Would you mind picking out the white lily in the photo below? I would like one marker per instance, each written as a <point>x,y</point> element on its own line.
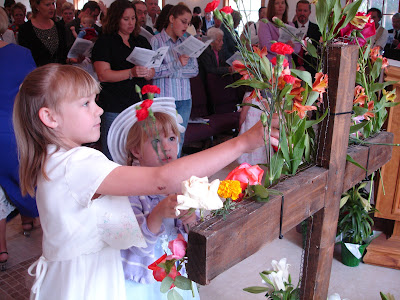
<point>282,266</point>
<point>277,279</point>
<point>335,296</point>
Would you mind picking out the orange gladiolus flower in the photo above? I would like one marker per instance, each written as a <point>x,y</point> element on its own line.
<point>255,94</point>
<point>369,113</point>
<point>320,84</point>
<point>260,53</point>
<point>239,67</point>
<point>301,109</point>
<point>374,54</point>
<point>359,95</point>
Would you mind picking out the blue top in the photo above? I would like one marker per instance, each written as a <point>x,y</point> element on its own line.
<point>16,62</point>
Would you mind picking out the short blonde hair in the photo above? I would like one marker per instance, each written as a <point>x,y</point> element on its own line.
<point>141,131</point>
<point>46,86</point>
<point>67,6</point>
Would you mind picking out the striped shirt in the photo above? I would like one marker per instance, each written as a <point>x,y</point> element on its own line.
<point>171,77</point>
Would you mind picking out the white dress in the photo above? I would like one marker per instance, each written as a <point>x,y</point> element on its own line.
<point>259,155</point>
<point>81,238</point>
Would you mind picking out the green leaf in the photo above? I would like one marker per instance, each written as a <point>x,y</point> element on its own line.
<point>351,160</point>
<point>376,69</point>
<point>343,200</point>
<point>284,147</point>
<point>260,193</point>
<point>298,151</point>
<point>174,295</point>
<point>166,284</point>
<point>266,279</point>
<point>266,66</point>
<point>310,123</point>
<point>183,283</point>
<point>311,49</point>
<point>313,96</point>
<point>375,87</point>
<point>304,75</point>
<point>357,127</point>
<point>256,289</point>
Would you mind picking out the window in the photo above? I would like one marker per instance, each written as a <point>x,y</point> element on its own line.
<point>387,7</point>
<point>250,6</point>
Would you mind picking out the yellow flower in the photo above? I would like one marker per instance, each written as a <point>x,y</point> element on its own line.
<point>229,189</point>
<point>390,96</point>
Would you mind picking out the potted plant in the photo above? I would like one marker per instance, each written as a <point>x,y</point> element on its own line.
<point>355,224</point>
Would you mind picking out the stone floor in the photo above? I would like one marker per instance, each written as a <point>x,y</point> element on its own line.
<point>361,283</point>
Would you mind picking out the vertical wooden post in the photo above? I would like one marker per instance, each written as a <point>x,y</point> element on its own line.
<point>331,154</point>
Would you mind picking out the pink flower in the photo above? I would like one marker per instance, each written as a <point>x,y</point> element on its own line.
<point>246,174</point>
<point>177,247</point>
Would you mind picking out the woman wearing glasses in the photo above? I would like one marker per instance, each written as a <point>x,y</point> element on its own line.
<point>173,76</point>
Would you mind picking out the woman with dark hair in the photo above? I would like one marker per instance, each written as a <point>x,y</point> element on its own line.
<point>268,32</point>
<point>173,76</point>
<point>118,76</point>
<point>162,18</point>
<point>44,37</point>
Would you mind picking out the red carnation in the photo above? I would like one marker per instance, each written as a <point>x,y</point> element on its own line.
<point>285,62</point>
<point>142,114</point>
<point>281,48</point>
<point>226,9</point>
<point>289,79</point>
<point>146,103</point>
<point>211,6</point>
<point>148,88</point>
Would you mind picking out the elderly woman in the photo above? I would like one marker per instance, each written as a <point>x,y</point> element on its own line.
<point>118,76</point>
<point>18,12</point>
<point>16,62</point>
<point>212,60</point>
<point>67,13</point>
<point>44,37</point>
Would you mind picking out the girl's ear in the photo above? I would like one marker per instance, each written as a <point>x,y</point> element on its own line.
<point>46,115</point>
<point>171,19</point>
<point>136,153</point>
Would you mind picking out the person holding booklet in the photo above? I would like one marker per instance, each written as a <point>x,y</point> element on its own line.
<point>173,76</point>
<point>267,32</point>
<point>118,76</point>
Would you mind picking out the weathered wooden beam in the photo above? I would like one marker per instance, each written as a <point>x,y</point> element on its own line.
<point>371,157</point>
<point>216,244</point>
<point>331,154</point>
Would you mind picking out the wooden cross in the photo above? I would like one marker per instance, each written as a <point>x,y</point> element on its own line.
<point>216,244</point>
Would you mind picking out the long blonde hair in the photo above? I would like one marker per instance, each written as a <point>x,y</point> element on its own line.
<point>141,131</point>
<point>46,86</point>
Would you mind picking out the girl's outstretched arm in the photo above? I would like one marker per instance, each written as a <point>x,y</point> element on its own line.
<point>167,179</point>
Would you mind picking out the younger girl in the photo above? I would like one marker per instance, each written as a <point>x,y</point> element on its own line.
<point>173,76</point>
<point>85,219</point>
<point>156,213</point>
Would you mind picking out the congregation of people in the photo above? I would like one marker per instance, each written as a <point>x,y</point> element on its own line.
<point>71,182</point>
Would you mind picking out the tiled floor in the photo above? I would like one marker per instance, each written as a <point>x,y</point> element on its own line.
<point>361,283</point>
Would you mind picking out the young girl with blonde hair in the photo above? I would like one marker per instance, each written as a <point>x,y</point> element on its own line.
<point>81,195</point>
<point>150,143</point>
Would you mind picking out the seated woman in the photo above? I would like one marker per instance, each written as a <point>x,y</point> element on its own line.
<point>212,60</point>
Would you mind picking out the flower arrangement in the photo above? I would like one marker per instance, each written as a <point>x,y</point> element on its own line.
<point>278,283</point>
<point>237,185</point>
<point>166,269</point>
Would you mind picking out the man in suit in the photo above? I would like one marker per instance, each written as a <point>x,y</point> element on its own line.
<point>310,30</point>
<point>392,48</point>
<point>141,13</point>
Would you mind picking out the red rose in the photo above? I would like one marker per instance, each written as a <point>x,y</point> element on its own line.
<point>246,174</point>
<point>226,9</point>
<point>281,48</point>
<point>146,103</point>
<point>142,114</point>
<point>211,6</point>
<point>148,88</point>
